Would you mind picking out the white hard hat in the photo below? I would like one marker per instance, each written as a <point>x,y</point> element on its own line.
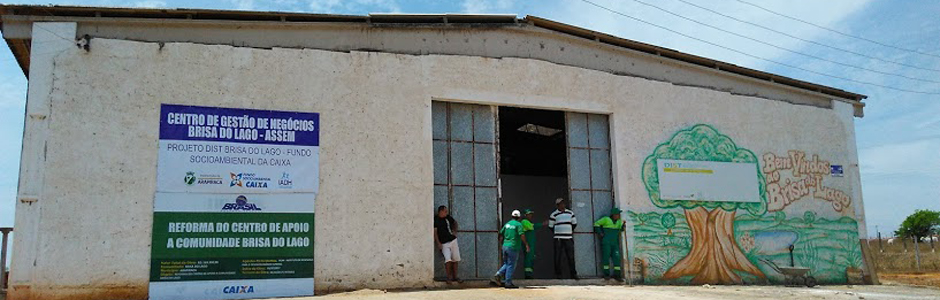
<point>516,213</point>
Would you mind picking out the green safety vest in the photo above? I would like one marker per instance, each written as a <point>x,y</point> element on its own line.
<point>529,229</point>
<point>610,229</point>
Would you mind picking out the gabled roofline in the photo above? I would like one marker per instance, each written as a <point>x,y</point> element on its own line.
<point>20,48</point>
<point>690,58</point>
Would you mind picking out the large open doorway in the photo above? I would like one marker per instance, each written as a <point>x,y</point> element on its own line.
<point>489,161</point>
<point>533,173</point>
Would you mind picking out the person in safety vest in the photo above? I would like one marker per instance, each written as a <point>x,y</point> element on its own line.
<point>609,229</point>
<point>513,240</point>
<point>529,228</point>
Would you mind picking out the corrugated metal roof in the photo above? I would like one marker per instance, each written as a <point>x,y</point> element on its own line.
<point>20,48</point>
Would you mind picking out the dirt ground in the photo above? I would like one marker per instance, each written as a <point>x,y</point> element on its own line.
<point>925,279</point>
<point>886,292</point>
<point>900,257</point>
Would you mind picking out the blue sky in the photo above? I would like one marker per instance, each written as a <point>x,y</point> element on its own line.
<point>898,139</point>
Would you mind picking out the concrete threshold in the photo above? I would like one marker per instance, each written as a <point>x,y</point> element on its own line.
<point>523,283</point>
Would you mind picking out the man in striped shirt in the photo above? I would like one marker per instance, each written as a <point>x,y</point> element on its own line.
<point>562,222</point>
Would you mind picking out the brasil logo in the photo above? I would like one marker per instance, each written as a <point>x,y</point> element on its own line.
<point>241,203</point>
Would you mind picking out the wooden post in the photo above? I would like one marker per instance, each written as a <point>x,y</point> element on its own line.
<point>932,249</point>
<point>3,258</point>
<point>916,253</point>
<point>625,272</point>
<point>881,247</point>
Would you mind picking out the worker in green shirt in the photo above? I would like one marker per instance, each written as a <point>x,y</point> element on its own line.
<point>529,228</point>
<point>609,229</point>
<point>513,240</point>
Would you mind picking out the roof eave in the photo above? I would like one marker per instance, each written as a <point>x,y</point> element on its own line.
<point>20,48</point>
<point>690,58</point>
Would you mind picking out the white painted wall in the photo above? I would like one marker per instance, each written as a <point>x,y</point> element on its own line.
<point>92,236</point>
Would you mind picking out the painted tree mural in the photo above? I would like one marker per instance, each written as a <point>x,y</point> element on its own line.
<point>715,256</point>
<point>809,217</point>
<point>780,217</point>
<point>668,221</point>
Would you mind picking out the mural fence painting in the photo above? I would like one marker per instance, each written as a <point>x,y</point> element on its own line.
<point>699,242</point>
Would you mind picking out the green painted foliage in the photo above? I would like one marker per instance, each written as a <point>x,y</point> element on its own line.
<point>668,220</point>
<point>809,217</point>
<point>780,216</point>
<point>701,143</point>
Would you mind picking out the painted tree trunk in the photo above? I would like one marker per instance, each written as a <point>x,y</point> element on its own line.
<point>715,254</point>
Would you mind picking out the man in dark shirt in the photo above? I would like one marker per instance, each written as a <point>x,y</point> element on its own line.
<point>445,237</point>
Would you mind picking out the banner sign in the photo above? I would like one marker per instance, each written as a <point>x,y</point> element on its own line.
<point>234,208</point>
<point>708,181</point>
<point>214,150</point>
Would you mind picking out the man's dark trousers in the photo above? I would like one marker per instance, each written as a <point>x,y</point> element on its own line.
<point>564,248</point>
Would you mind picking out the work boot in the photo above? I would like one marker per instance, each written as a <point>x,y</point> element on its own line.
<point>618,278</point>
<point>606,277</point>
<point>497,280</point>
<point>511,286</point>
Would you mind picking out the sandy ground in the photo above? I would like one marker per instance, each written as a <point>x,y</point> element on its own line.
<point>887,292</point>
<point>925,279</point>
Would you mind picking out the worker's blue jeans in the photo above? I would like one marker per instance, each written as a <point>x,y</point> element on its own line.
<point>510,256</point>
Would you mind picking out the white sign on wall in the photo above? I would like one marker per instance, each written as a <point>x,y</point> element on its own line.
<point>230,167</point>
<point>233,215</point>
<point>708,181</point>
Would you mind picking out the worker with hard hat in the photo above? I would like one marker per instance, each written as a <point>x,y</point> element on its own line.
<point>609,229</point>
<point>513,240</point>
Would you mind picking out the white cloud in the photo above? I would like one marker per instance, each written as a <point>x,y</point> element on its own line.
<point>149,3</point>
<point>14,93</point>
<point>243,4</point>
<point>354,6</point>
<point>318,6</point>
<point>8,195</point>
<point>827,13</point>
<point>13,84</point>
<point>898,179</point>
<point>918,158</point>
<point>484,6</point>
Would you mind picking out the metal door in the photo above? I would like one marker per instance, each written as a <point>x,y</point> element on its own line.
<point>589,182</point>
<point>466,179</point>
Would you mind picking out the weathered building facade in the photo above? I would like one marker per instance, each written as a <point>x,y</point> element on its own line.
<point>419,111</point>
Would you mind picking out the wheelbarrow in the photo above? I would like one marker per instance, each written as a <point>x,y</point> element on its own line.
<point>796,276</point>
<point>793,275</point>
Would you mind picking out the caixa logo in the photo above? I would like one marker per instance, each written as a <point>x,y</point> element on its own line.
<point>241,203</point>
<point>248,180</point>
<point>238,289</point>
